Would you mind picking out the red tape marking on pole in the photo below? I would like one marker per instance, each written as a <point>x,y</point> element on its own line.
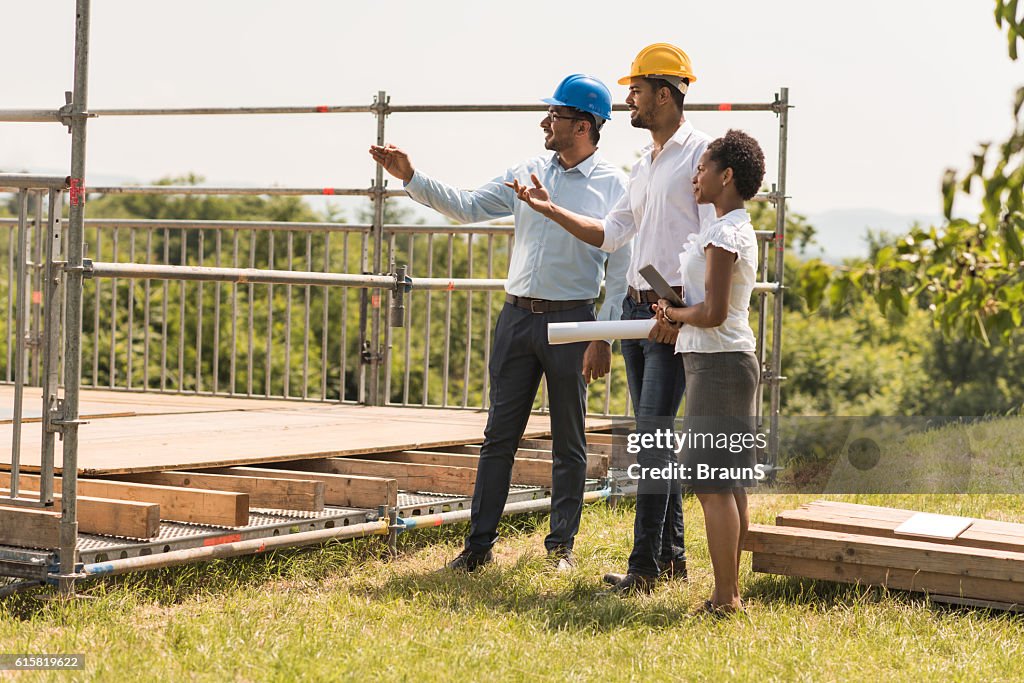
<point>451,286</point>
<point>37,297</point>
<point>77,191</point>
<point>328,190</point>
<point>322,109</point>
<point>725,107</point>
<point>230,538</point>
<point>375,300</point>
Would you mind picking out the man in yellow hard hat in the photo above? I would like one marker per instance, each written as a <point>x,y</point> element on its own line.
<point>551,278</point>
<point>660,210</point>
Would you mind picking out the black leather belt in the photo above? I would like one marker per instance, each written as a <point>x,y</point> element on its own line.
<point>648,296</point>
<point>544,305</point>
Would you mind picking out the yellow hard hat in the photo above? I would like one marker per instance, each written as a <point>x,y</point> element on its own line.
<point>660,59</point>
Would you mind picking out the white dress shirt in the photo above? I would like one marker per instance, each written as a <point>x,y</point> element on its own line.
<point>734,233</point>
<point>659,207</point>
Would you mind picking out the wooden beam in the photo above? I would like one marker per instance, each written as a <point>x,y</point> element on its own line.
<point>597,465</point>
<point>410,476</point>
<point>918,556</point>
<point>218,508</point>
<point>343,491</point>
<point>525,471</point>
<point>264,492</point>
<point>107,516</point>
<point>28,528</point>
<point>547,445</point>
<point>827,519</point>
<point>902,579</point>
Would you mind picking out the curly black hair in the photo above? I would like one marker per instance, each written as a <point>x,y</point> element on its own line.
<point>741,153</point>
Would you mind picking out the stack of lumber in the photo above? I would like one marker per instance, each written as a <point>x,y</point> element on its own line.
<point>132,504</point>
<point>860,544</point>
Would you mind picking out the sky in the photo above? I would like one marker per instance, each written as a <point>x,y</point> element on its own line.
<point>887,94</point>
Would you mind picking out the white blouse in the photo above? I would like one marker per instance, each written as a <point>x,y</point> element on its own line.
<point>735,233</point>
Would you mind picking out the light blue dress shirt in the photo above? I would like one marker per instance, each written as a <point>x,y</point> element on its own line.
<point>547,262</point>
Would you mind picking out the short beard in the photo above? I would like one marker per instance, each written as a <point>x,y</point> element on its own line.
<point>642,121</point>
<point>554,145</point>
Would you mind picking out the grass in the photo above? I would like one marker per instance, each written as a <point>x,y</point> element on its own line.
<point>343,612</point>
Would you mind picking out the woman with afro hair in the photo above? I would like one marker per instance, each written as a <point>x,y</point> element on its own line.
<point>718,267</point>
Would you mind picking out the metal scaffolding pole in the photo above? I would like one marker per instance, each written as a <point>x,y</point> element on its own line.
<point>68,420</point>
<point>780,251</point>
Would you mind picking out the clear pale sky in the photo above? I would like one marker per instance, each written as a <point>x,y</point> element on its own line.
<point>888,93</point>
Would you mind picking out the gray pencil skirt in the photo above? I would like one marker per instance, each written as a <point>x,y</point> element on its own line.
<point>720,419</point>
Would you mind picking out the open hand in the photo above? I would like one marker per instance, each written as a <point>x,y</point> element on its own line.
<point>395,161</point>
<point>536,197</point>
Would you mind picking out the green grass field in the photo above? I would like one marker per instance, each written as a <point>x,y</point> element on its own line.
<point>343,612</point>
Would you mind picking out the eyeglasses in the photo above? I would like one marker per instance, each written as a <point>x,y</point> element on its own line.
<point>555,116</point>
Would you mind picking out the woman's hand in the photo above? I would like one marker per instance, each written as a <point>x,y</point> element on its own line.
<point>664,331</point>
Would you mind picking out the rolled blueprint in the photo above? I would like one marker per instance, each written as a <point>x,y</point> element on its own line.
<point>567,333</point>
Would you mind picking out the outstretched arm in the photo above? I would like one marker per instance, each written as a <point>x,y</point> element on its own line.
<point>537,198</point>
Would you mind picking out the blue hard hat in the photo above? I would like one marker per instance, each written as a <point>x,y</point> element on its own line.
<point>584,93</point>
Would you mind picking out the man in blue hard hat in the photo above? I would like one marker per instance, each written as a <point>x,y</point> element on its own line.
<point>552,277</point>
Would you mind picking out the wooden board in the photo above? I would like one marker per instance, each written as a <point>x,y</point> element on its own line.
<point>914,556</point>
<point>828,520</point>
<point>597,465</point>
<point>902,579</point>
<point>107,516</point>
<point>547,445</point>
<point>177,504</point>
<point>28,528</point>
<point>264,432</point>
<point>264,492</point>
<point>525,471</point>
<point>410,476</point>
<point>344,491</point>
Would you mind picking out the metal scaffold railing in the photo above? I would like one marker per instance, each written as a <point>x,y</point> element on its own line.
<point>396,261</point>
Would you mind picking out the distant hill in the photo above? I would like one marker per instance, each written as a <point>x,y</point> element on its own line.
<point>842,233</point>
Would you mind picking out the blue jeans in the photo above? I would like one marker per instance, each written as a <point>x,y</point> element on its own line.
<point>656,386</point>
<point>520,356</point>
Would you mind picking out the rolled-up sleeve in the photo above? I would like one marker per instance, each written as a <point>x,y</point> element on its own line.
<point>492,200</point>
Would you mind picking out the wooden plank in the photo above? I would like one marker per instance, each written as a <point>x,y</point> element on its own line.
<point>28,528</point>
<point>547,445</point>
<point>340,490</point>
<point>410,476</point>
<point>597,465</point>
<point>902,579</point>
<point>219,508</point>
<point>264,492</point>
<point>525,471</point>
<point>605,438</point>
<point>107,516</point>
<point>925,556</point>
<point>989,526</point>
<point>883,528</point>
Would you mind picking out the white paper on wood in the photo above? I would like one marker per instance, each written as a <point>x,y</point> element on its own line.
<point>567,333</point>
<point>928,525</point>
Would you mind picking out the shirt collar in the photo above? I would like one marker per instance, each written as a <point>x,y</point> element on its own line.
<point>679,137</point>
<point>586,167</point>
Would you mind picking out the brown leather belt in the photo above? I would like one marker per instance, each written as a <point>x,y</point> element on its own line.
<point>648,296</point>
<point>544,305</point>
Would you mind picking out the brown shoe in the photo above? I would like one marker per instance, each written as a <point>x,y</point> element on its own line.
<point>561,560</point>
<point>634,584</point>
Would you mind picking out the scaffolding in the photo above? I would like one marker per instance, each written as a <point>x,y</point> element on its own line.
<point>48,336</point>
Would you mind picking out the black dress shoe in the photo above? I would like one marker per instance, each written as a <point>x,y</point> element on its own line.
<point>470,561</point>
<point>673,569</point>
<point>634,584</point>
